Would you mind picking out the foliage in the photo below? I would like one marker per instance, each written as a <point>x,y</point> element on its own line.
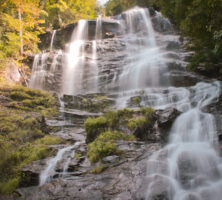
<point>104,131</point>
<point>93,126</point>
<point>62,12</point>
<point>105,145</point>
<point>115,120</point>
<point>21,22</point>
<point>23,132</point>
<point>139,122</point>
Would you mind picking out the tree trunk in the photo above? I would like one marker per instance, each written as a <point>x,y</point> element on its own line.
<point>21,36</point>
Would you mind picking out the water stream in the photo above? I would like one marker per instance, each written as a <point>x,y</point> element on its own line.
<point>145,61</point>
<point>52,40</point>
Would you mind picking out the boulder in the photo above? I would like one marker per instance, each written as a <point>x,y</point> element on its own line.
<point>165,119</point>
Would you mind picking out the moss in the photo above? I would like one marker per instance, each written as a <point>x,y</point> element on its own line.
<point>103,132</point>
<point>49,140</point>
<point>139,122</point>
<point>77,155</point>
<point>147,111</point>
<point>10,185</point>
<point>116,118</point>
<point>23,132</point>
<point>98,169</point>
<point>26,99</point>
<point>105,145</point>
<point>94,126</point>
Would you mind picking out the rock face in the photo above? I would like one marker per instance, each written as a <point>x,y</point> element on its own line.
<point>120,176</point>
<point>96,102</point>
<point>122,179</point>
<point>63,36</point>
<point>165,121</point>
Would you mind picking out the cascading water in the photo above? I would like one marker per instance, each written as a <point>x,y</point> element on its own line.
<point>189,167</point>
<point>99,33</point>
<point>38,71</point>
<point>145,63</point>
<point>50,170</point>
<point>75,59</point>
<point>52,40</point>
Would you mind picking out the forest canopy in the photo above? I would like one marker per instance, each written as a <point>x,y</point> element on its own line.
<point>21,21</point>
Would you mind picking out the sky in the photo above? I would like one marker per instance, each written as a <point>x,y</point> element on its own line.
<point>102,2</point>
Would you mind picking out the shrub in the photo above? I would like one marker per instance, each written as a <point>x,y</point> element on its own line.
<point>94,126</point>
<point>105,145</point>
<point>139,122</point>
<point>147,111</point>
<point>10,185</point>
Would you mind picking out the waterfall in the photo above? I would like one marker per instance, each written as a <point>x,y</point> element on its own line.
<point>99,33</point>
<point>75,59</point>
<point>145,62</point>
<point>192,167</point>
<point>51,165</point>
<point>52,40</point>
<point>55,61</point>
<point>38,71</point>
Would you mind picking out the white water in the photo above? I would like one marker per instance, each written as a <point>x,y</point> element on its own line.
<point>189,167</point>
<point>75,59</point>
<point>38,71</point>
<point>51,165</point>
<point>99,28</point>
<point>52,40</point>
<point>145,62</point>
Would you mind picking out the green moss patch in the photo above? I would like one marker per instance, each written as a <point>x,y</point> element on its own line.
<point>98,169</point>
<point>105,145</point>
<point>23,132</point>
<point>103,132</point>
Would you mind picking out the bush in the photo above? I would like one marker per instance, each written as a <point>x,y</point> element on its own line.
<point>139,122</point>
<point>105,145</point>
<point>94,126</point>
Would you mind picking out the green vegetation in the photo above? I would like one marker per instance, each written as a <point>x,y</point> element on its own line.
<point>23,132</point>
<point>105,145</point>
<point>200,20</point>
<point>94,126</point>
<point>98,169</point>
<point>21,22</point>
<point>26,99</point>
<point>110,121</point>
<point>133,123</point>
<point>103,132</point>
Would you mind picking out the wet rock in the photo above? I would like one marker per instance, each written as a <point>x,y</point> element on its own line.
<point>161,188</point>
<point>31,173</point>
<point>111,159</point>
<point>165,120</point>
<point>135,101</point>
<point>71,134</point>
<point>119,182</point>
<point>63,35</point>
<point>97,102</point>
<point>173,45</point>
